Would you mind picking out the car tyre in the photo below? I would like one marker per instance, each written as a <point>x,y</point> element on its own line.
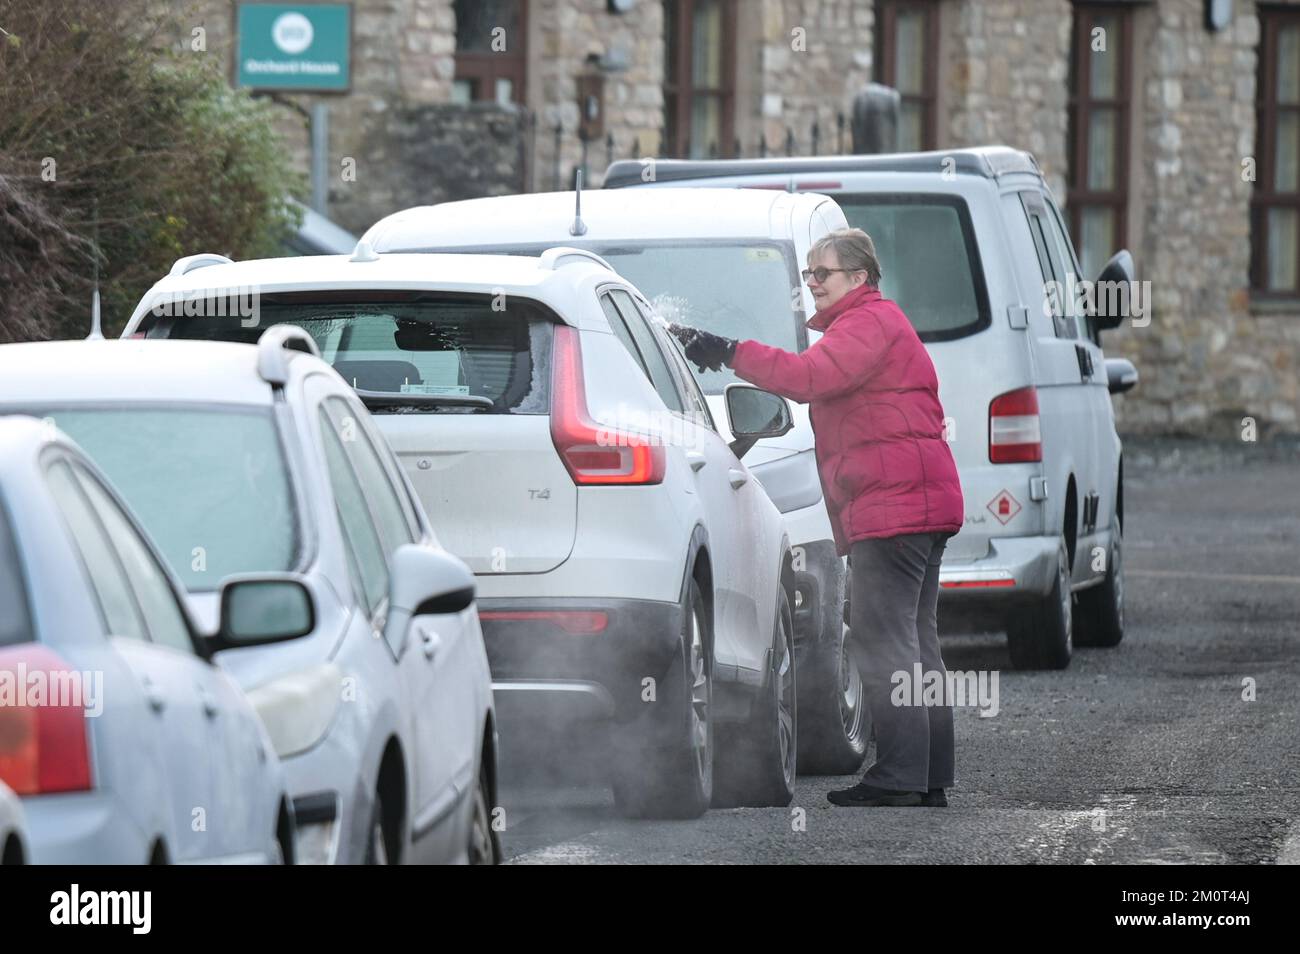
<point>667,766</point>
<point>758,760</point>
<point>1101,608</point>
<point>376,836</point>
<point>834,723</point>
<point>1042,635</point>
<point>484,846</point>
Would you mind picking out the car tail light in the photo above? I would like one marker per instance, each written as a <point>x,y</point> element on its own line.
<point>594,454</point>
<point>1015,434</point>
<point>574,622</point>
<point>976,584</point>
<point>818,185</point>
<point>43,745</point>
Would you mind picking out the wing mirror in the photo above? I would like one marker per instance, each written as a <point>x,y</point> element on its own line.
<point>753,414</point>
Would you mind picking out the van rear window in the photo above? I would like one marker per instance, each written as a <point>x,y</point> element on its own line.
<point>15,617</point>
<point>928,258</point>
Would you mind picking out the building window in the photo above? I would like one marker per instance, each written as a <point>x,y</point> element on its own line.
<point>1100,100</point>
<point>491,51</point>
<point>907,58</point>
<point>1275,205</point>
<point>699,78</point>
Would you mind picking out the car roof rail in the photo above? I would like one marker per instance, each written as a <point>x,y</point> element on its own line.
<point>191,262</point>
<point>277,346</point>
<point>554,258</point>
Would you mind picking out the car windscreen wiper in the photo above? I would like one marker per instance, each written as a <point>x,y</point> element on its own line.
<point>374,400</point>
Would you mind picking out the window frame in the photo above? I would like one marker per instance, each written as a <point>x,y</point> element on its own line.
<point>1264,197</point>
<point>1080,106</point>
<point>886,62</point>
<point>484,69</point>
<point>679,90</point>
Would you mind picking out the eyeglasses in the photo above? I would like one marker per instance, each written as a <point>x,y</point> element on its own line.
<point>821,274</point>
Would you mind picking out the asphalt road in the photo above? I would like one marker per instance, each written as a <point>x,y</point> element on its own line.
<point>1146,753</point>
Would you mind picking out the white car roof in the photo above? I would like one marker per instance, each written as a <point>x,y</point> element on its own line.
<point>530,276</point>
<point>643,214</point>
<point>58,373</point>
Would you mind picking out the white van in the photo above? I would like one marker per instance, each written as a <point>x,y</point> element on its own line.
<point>727,260</point>
<point>974,249</point>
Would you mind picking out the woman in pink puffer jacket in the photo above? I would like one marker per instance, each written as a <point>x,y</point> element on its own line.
<point>891,491</point>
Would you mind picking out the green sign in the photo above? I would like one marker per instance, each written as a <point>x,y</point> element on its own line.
<point>294,46</point>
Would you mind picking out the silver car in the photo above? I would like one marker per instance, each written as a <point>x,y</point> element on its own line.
<point>259,459</point>
<point>124,742</point>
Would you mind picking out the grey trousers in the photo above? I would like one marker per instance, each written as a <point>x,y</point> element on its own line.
<point>892,606</point>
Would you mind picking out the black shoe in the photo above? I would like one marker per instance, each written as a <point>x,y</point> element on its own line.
<point>868,796</point>
<point>934,798</point>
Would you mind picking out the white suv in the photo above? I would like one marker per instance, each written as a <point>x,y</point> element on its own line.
<point>726,260</point>
<point>632,574</point>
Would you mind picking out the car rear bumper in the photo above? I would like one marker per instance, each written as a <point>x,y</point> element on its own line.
<point>1016,569</point>
<point>82,828</point>
<point>567,659</point>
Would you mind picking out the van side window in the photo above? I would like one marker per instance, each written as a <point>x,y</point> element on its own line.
<point>1087,323</point>
<point>1050,264</point>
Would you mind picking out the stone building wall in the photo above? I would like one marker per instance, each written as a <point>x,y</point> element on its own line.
<point>563,34</point>
<point>1003,76</point>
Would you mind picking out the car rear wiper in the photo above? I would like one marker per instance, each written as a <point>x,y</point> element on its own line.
<point>385,399</point>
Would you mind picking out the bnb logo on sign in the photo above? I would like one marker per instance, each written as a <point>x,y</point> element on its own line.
<point>292,33</point>
<point>1004,507</point>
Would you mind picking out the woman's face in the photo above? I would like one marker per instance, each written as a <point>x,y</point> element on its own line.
<point>837,284</point>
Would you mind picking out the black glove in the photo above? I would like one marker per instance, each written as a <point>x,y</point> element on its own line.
<point>704,349</point>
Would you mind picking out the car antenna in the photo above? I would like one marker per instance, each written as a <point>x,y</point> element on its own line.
<point>578,227</point>
<point>96,326</point>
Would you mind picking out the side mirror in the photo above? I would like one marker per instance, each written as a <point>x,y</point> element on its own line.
<point>1112,289</point>
<point>1121,375</point>
<point>256,610</point>
<point>753,414</point>
<point>425,581</point>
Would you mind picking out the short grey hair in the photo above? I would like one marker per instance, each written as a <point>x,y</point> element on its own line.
<point>854,249</point>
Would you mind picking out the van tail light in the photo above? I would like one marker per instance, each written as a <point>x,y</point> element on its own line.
<point>594,454</point>
<point>1015,433</point>
<point>43,733</point>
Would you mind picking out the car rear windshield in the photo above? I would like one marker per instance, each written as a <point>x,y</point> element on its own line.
<point>15,616</point>
<point>736,289</point>
<point>928,257</point>
<point>493,347</point>
<point>210,485</point>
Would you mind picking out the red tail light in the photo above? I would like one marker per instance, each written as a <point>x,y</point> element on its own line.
<point>594,454</point>
<point>1015,434</point>
<point>43,746</point>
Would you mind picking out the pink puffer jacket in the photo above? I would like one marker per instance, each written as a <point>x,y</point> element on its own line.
<point>874,404</point>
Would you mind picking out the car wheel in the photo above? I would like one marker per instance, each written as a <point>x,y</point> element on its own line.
<point>757,761</point>
<point>376,840</point>
<point>667,766</point>
<point>834,723</point>
<point>1101,608</point>
<point>1042,635</point>
<point>484,847</point>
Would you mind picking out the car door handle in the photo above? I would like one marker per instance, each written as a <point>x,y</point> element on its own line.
<point>738,478</point>
<point>153,696</point>
<point>1085,362</point>
<point>431,642</point>
<point>696,460</point>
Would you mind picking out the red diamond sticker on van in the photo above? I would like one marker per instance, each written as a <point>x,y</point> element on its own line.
<point>1004,507</point>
